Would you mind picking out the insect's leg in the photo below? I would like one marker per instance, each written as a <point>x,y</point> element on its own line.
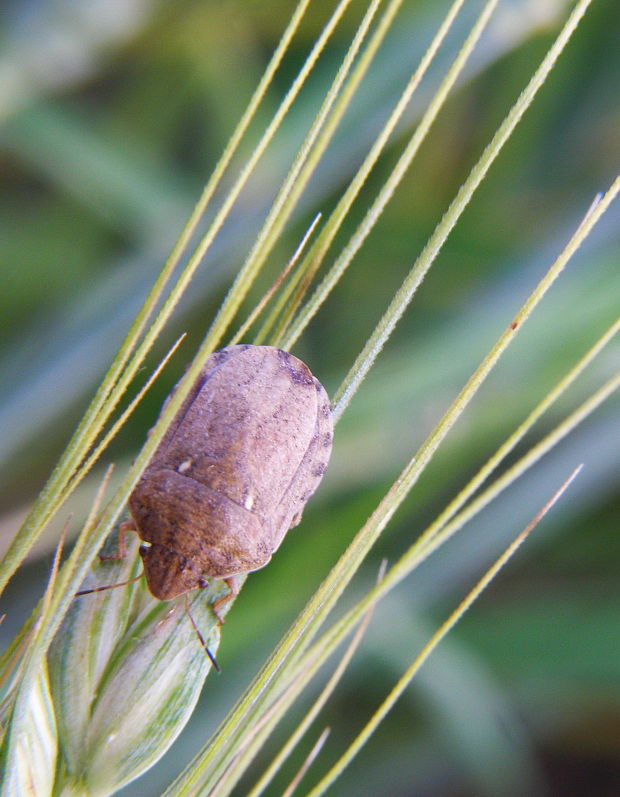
<point>120,554</point>
<point>108,586</point>
<point>234,585</point>
<point>128,525</point>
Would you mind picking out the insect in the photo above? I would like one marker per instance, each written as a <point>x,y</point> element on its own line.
<point>233,472</point>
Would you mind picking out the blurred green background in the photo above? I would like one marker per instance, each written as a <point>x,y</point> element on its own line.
<point>112,115</point>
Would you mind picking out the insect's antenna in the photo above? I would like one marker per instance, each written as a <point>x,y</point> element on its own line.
<point>200,637</point>
<point>109,586</point>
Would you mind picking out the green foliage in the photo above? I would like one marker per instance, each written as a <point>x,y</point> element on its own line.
<point>369,117</point>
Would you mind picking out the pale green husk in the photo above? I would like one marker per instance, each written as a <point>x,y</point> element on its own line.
<point>33,772</point>
<point>126,671</point>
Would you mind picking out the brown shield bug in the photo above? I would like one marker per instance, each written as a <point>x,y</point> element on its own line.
<point>233,472</point>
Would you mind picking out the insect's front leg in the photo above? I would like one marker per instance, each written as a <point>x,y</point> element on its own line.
<point>121,551</point>
<point>128,525</point>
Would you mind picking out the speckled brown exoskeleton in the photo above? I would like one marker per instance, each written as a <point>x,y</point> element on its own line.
<point>233,472</point>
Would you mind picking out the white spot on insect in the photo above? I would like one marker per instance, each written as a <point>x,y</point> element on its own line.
<point>185,466</point>
<point>111,737</point>
<point>249,501</point>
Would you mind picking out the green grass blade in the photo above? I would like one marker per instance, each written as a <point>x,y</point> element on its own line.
<point>520,432</point>
<point>316,707</point>
<point>430,646</point>
<point>287,303</point>
<point>402,298</point>
<point>419,552</point>
<point>264,301</point>
<point>319,250</point>
<point>300,172</point>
